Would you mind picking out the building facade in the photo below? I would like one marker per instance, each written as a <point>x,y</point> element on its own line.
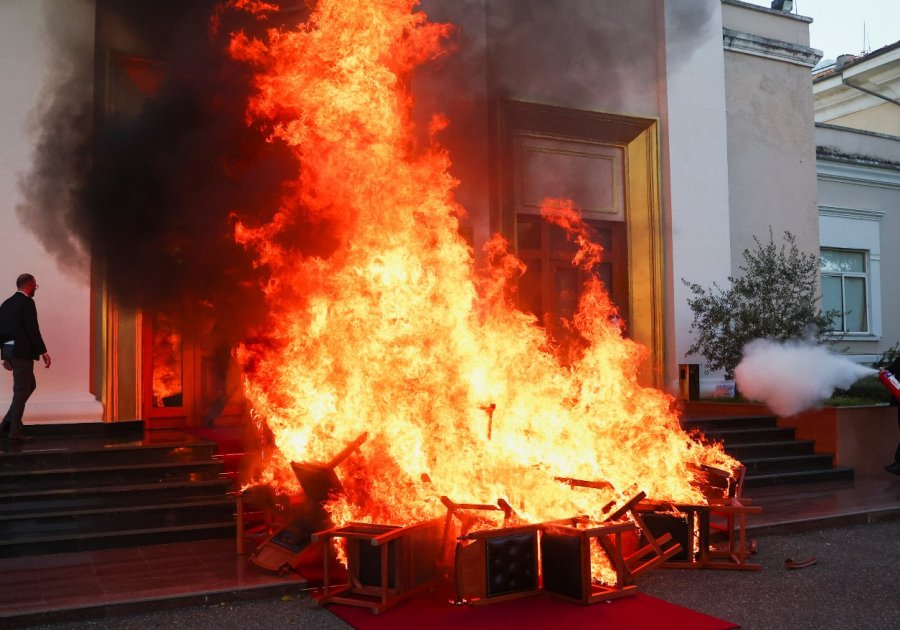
<point>858,166</point>
<point>682,129</point>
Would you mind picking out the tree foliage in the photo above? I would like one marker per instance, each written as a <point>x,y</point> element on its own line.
<point>775,297</point>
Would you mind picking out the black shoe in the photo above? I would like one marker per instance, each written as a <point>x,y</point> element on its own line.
<point>893,468</point>
<point>21,436</point>
<point>4,427</point>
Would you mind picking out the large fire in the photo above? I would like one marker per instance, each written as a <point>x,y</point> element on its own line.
<point>399,335</point>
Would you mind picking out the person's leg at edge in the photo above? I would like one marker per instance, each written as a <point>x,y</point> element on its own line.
<point>24,385</point>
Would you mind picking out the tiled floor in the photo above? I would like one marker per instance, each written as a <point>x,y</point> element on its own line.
<point>103,578</point>
<point>863,499</point>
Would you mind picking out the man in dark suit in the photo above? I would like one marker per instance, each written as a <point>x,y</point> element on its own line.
<point>21,345</point>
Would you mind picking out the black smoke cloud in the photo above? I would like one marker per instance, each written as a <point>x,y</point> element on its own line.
<point>63,123</point>
<point>148,191</point>
<point>578,43</point>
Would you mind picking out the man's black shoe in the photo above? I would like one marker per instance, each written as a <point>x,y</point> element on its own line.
<point>893,468</point>
<point>4,427</point>
<point>20,437</point>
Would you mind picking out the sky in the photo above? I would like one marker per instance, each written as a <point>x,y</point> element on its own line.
<point>838,25</point>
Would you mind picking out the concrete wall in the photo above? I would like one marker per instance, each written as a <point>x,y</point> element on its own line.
<point>863,438</point>
<point>771,145</point>
<point>63,297</point>
<point>576,53</point>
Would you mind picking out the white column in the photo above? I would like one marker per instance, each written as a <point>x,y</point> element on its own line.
<point>697,166</point>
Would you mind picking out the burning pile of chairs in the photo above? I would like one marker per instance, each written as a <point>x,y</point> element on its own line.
<point>489,554</point>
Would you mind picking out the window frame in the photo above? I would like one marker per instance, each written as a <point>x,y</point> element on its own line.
<point>843,275</point>
<point>844,228</point>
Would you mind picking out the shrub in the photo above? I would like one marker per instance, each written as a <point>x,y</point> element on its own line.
<point>866,391</point>
<point>775,297</point>
<point>887,357</point>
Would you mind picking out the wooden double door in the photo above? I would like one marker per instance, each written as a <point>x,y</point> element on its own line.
<point>590,173</point>
<point>551,286</point>
<point>189,376</point>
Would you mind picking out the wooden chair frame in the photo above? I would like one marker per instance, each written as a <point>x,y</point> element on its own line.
<point>402,555</point>
<point>609,536</point>
<point>470,554</point>
<point>737,552</point>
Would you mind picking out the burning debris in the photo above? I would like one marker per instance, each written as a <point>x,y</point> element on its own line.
<point>397,334</point>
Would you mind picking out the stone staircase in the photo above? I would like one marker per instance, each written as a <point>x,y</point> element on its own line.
<point>91,486</point>
<point>772,454</point>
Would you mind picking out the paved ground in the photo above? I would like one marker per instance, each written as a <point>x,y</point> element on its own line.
<point>855,584</point>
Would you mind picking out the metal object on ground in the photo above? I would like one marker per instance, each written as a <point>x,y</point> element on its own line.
<point>799,564</point>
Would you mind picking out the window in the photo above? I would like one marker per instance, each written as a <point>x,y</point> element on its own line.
<point>845,288</point>
<point>850,244</point>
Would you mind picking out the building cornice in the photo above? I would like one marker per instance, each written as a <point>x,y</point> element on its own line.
<point>835,171</point>
<point>779,50</point>
<point>761,9</point>
<point>851,213</point>
<point>860,132</point>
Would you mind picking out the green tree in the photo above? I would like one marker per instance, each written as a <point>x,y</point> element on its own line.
<point>776,297</point>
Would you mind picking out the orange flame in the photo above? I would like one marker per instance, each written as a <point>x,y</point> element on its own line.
<point>167,368</point>
<point>396,333</point>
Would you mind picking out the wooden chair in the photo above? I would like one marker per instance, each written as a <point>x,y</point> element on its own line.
<point>655,550</point>
<point>292,544</point>
<point>567,566</point>
<point>498,561</point>
<point>385,563</point>
<point>701,554</point>
<point>259,511</point>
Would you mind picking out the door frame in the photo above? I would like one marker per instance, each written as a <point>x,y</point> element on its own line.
<point>639,140</point>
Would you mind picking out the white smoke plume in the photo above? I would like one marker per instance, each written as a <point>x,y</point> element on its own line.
<point>793,376</point>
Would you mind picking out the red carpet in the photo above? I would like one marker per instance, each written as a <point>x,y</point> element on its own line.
<point>432,611</point>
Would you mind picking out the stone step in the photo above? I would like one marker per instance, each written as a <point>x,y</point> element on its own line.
<point>730,437</point>
<point>53,454</point>
<point>39,545</point>
<point>130,429</point>
<point>795,463</point>
<point>755,450</point>
<point>95,486</point>
<point>736,422</point>
<point>810,476</point>
<point>171,513</point>
<point>120,495</point>
<point>772,454</point>
<point>12,481</point>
